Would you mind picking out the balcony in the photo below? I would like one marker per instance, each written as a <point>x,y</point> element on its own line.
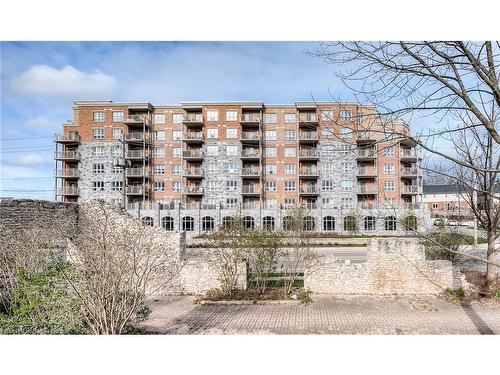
<point>193,190</point>
<point>308,137</point>
<point>137,137</point>
<point>136,172</point>
<point>308,173</point>
<point>309,190</point>
<point>364,137</point>
<point>308,119</point>
<point>67,155</point>
<point>136,120</point>
<point>194,172</point>
<point>308,154</point>
<point>250,172</point>
<point>409,154</point>
<point>250,137</point>
<point>410,189</point>
<point>364,172</point>
<point>409,173</point>
<point>196,154</point>
<point>193,119</point>
<point>67,173</point>
<point>250,153</point>
<point>310,205</point>
<point>370,205</point>
<point>250,190</point>
<point>367,190</point>
<point>66,191</point>
<point>254,205</point>
<point>191,205</point>
<point>135,154</point>
<point>67,139</point>
<point>366,153</point>
<point>135,190</point>
<point>250,119</point>
<point>193,137</point>
<point>209,206</point>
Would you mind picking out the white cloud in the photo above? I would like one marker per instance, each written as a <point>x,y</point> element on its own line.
<point>65,82</point>
<point>28,160</point>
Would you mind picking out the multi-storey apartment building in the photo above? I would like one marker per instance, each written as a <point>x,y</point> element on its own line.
<point>192,166</point>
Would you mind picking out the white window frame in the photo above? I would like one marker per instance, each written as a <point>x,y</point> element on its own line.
<point>212,115</point>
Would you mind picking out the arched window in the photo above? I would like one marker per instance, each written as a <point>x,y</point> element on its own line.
<point>328,223</point>
<point>349,223</point>
<point>248,222</point>
<point>268,223</point>
<point>207,223</point>
<point>369,223</point>
<point>288,223</point>
<point>188,224</point>
<point>167,223</point>
<point>227,221</point>
<point>309,223</point>
<point>148,220</point>
<point>410,223</point>
<point>390,223</point>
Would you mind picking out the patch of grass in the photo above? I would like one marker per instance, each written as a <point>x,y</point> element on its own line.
<point>252,294</point>
<point>459,292</point>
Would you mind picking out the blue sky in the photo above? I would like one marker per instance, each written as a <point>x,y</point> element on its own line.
<point>39,81</point>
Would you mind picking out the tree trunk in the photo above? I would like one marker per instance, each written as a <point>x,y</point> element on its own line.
<point>491,269</point>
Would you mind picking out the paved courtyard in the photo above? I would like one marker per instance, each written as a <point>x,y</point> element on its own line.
<point>325,315</point>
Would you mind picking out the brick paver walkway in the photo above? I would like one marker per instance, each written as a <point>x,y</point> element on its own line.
<point>326,315</point>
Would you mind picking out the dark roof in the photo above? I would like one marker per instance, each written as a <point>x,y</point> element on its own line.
<point>443,189</point>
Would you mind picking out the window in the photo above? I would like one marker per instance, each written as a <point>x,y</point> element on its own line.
<point>346,185</point>
<point>345,114</point>
<point>231,115</point>
<point>271,203</point>
<point>328,168</point>
<point>389,186</point>
<point>177,118</point>
<point>159,169</point>
<point>167,223</point>
<point>346,202</point>
<point>207,223</point>
<point>410,223</point>
<point>327,133</point>
<point>289,202</point>
<point>290,186</point>
<point>270,135</point>
<point>210,203</point>
<point>388,168</point>
<point>389,151</point>
<point>248,222</point>
<point>176,186</point>
<point>271,152</point>
<point>98,185</point>
<point>327,185</point>
<point>159,118</point>
<point>159,152</point>
<point>212,150</point>
<point>159,135</point>
<point>270,169</point>
<point>288,223</point>
<point>176,135</point>
<point>231,167</point>
<point>159,186</point>
<point>213,133</point>
<point>98,168</point>
<point>231,185</point>
<point>118,116</point>
<point>116,185</point>
<point>290,135</point>
<point>290,152</point>
<point>390,223</point>
<point>326,115</point>
<point>345,133</point>
<point>350,223</point>
<point>117,133</point>
<point>231,133</point>
<point>212,115</point>
<point>309,223</point>
<point>329,223</point>
<point>98,133</point>
<point>369,223</point>
<point>232,150</point>
<point>361,118</point>
<point>227,221</point>
<point>98,116</point>
<point>327,150</point>
<point>268,223</point>
<point>187,224</point>
<point>211,167</point>
<point>176,169</point>
<point>271,186</point>
<point>327,202</point>
<point>116,170</point>
<point>116,151</point>
<point>231,202</point>
<point>347,167</point>
<point>345,150</point>
<point>211,185</point>
<point>290,118</point>
<point>98,151</point>
<point>435,205</point>
<point>148,221</point>
<point>176,152</point>
<point>290,169</point>
<point>270,118</point>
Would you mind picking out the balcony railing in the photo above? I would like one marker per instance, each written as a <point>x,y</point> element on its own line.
<point>308,117</point>
<point>135,190</point>
<point>409,171</point>
<point>410,189</point>
<point>136,172</point>
<point>71,138</point>
<point>195,171</point>
<point>192,153</point>
<point>309,190</point>
<point>193,136</point>
<point>366,153</point>
<point>137,137</point>
<point>250,136</point>
<point>310,205</point>
<point>309,172</point>
<point>367,190</point>
<point>308,136</point>
<point>250,153</point>
<point>67,173</point>
<point>249,190</point>
<point>250,205</point>
<point>309,153</point>
<point>195,189</point>
<point>193,118</point>
<point>136,119</point>
<point>191,205</point>
<point>250,117</point>
<point>67,155</point>
<point>135,154</point>
<point>72,190</point>
<point>366,172</point>
<point>409,153</point>
<point>250,171</point>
